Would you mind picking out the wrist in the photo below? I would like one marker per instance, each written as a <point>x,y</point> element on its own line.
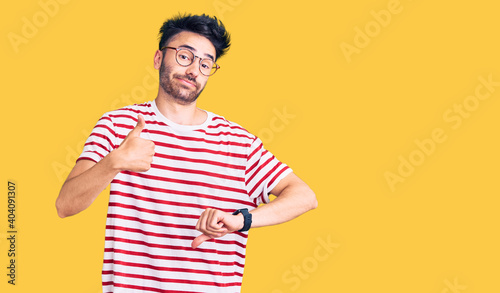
<point>247,219</point>
<point>114,162</point>
<point>241,221</point>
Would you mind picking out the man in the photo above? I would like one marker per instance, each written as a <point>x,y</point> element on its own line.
<point>175,170</point>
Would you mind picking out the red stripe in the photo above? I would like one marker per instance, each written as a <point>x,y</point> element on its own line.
<point>93,152</point>
<point>277,174</point>
<point>163,280</point>
<point>200,161</point>
<point>171,191</point>
<point>260,197</point>
<point>164,235</point>
<point>188,149</point>
<point>180,137</point>
<point>142,288</point>
<point>250,169</point>
<point>271,182</point>
<point>167,202</point>
<point>123,116</point>
<point>162,224</point>
<point>100,135</point>
<point>161,235</point>
<point>154,122</point>
<point>137,111</point>
<point>262,166</point>
<point>200,172</point>
<point>105,118</point>
<point>229,123</point>
<point>263,178</point>
<point>156,212</point>
<point>169,269</point>
<point>188,138</point>
<point>86,158</point>
<point>223,133</point>
<point>186,182</point>
<point>107,128</point>
<point>174,258</point>
<point>250,157</point>
<point>98,145</point>
<point>199,150</point>
<point>175,247</point>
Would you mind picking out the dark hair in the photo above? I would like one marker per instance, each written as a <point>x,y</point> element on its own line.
<point>210,28</point>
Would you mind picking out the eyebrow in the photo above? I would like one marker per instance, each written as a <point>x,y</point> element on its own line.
<point>193,49</point>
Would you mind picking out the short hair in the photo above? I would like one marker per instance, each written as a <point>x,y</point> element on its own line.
<point>209,27</point>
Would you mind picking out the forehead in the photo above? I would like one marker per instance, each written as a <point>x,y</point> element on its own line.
<point>200,45</point>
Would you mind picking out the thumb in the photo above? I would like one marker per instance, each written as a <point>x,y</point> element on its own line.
<point>199,240</point>
<point>141,123</point>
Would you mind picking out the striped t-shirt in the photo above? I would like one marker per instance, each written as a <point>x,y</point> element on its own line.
<point>152,215</point>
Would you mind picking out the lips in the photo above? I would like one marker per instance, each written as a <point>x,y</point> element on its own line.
<point>186,82</point>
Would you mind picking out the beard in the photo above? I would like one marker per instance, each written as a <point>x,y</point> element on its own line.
<point>184,95</point>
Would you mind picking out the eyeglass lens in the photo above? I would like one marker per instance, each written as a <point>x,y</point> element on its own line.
<point>186,58</point>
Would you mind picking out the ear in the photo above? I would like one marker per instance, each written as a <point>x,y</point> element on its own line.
<point>158,59</point>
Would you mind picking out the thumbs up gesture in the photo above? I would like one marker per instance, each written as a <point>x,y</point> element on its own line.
<point>136,153</point>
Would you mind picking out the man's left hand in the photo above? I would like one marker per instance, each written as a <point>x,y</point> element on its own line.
<point>215,223</point>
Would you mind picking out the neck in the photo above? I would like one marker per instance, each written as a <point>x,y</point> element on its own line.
<point>178,113</point>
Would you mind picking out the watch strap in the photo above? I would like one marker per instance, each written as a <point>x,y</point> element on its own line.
<point>247,219</point>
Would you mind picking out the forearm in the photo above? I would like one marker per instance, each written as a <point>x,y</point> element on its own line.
<point>88,179</point>
<point>294,198</point>
<point>80,191</point>
<point>293,201</point>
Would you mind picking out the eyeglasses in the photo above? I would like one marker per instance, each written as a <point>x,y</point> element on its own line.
<point>184,57</point>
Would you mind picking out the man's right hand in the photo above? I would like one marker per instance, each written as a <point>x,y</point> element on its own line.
<point>88,178</point>
<point>135,153</point>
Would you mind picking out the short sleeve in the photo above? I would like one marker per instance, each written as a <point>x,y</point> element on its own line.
<point>101,141</point>
<point>263,172</point>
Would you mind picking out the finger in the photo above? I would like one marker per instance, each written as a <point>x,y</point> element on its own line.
<point>216,222</point>
<point>212,226</point>
<point>206,224</point>
<point>199,240</point>
<point>141,123</point>
<point>200,225</point>
<point>216,227</point>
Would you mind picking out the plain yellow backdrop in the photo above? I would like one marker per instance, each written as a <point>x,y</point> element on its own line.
<point>387,109</point>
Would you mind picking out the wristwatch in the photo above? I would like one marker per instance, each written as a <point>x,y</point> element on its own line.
<point>247,219</point>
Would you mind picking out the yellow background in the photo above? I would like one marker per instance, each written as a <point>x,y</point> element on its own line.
<point>354,117</point>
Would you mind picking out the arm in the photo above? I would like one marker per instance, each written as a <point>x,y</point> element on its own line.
<point>88,179</point>
<point>83,185</point>
<point>294,198</point>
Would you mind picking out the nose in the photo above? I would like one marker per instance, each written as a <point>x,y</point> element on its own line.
<point>193,69</point>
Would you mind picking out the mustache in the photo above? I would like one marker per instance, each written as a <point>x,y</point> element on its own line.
<point>186,77</point>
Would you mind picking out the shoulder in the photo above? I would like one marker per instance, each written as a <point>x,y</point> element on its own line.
<point>135,109</point>
<point>221,124</point>
<point>130,111</point>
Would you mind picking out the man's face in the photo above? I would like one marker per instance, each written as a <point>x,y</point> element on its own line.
<point>185,84</point>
